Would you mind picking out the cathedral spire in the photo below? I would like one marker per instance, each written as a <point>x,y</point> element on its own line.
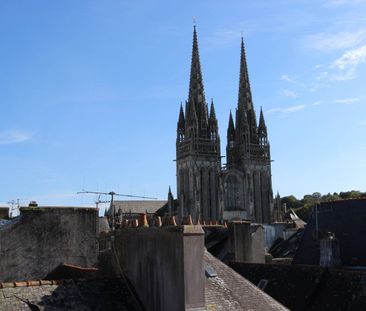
<point>262,128</point>
<point>170,192</point>
<point>212,111</point>
<point>181,120</point>
<point>245,94</point>
<point>245,103</point>
<point>196,89</point>
<point>170,202</point>
<point>181,126</point>
<point>231,128</point>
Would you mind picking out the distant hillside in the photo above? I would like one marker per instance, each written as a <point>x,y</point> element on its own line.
<point>304,206</point>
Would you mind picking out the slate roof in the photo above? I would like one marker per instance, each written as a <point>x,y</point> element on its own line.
<point>309,288</point>
<point>346,219</point>
<point>164,209</point>
<point>4,222</point>
<point>66,271</point>
<point>136,207</point>
<point>287,248</point>
<point>72,295</point>
<point>217,242</point>
<point>229,291</point>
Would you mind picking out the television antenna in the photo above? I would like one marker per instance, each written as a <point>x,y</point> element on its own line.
<point>113,194</point>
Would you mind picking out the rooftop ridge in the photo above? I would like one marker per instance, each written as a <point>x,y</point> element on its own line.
<point>32,283</point>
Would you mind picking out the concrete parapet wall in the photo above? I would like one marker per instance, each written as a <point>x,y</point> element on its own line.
<point>40,239</point>
<point>164,265</point>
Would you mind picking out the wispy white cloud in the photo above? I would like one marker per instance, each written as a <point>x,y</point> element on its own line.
<point>345,67</point>
<point>317,103</point>
<point>342,101</point>
<point>292,109</point>
<point>346,101</point>
<point>328,42</point>
<point>347,64</point>
<point>324,75</point>
<point>14,137</point>
<point>289,93</point>
<point>286,110</point>
<point>289,79</point>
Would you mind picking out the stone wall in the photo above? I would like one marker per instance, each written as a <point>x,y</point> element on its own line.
<point>164,265</point>
<point>37,241</point>
<point>246,242</point>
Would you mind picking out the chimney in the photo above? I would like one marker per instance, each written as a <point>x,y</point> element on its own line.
<point>164,265</point>
<point>329,251</point>
<point>246,242</point>
<point>33,204</point>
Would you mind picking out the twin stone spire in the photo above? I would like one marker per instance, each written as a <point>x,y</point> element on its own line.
<point>206,190</point>
<point>196,120</point>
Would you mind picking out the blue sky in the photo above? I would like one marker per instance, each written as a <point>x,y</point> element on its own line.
<point>90,91</point>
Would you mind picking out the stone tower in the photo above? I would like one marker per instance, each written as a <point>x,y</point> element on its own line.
<point>247,177</point>
<point>198,151</point>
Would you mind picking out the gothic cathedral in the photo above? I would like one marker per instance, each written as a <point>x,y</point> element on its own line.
<point>207,191</point>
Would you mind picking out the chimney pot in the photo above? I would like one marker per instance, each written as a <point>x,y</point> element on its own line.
<point>142,222</point>
<point>134,223</point>
<point>157,221</point>
<point>187,220</point>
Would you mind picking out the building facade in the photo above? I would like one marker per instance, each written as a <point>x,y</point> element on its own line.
<point>207,191</point>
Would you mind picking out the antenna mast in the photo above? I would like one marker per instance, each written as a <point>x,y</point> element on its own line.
<point>113,194</point>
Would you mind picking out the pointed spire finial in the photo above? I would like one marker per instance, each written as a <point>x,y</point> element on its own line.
<point>181,118</point>
<point>262,129</point>
<point>231,127</point>
<point>262,123</point>
<point>212,111</point>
